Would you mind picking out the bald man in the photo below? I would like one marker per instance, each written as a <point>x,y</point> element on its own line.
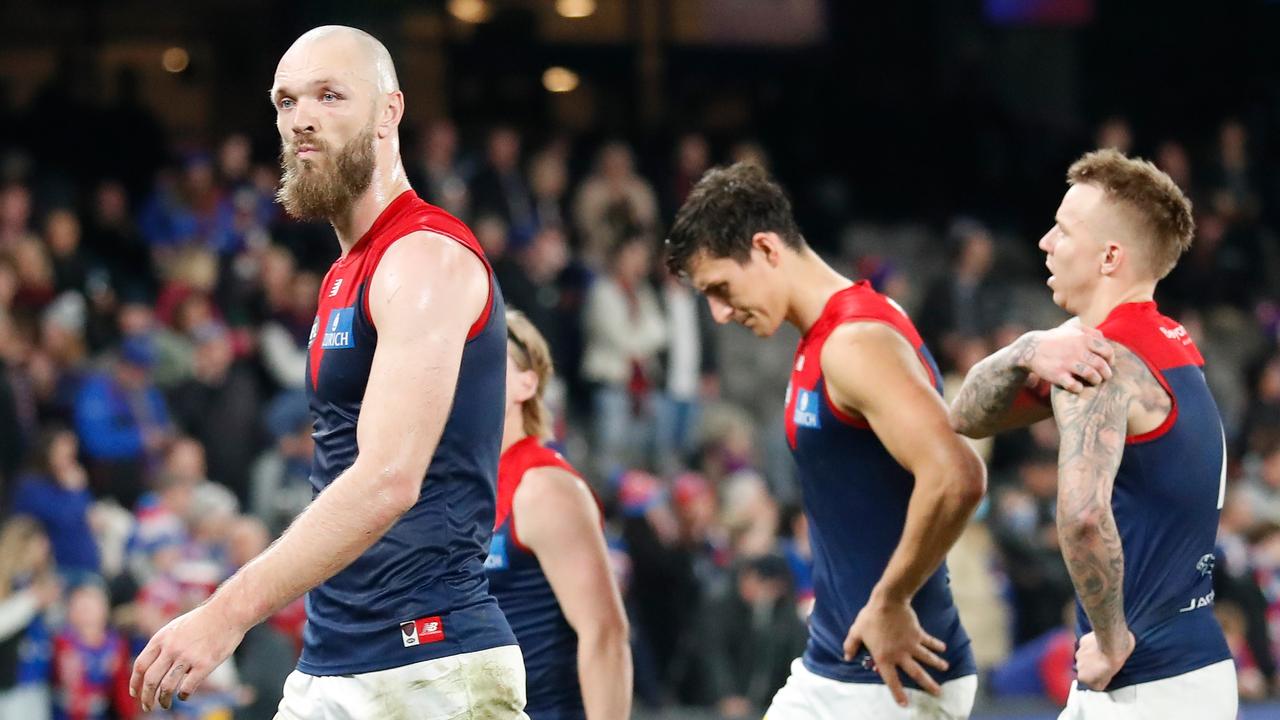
<point>392,548</point>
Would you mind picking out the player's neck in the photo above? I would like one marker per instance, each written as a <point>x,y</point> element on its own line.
<point>387,185</point>
<point>1108,299</point>
<point>812,282</point>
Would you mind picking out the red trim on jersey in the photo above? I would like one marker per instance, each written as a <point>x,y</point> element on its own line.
<point>857,303</point>
<point>1161,343</point>
<point>524,455</point>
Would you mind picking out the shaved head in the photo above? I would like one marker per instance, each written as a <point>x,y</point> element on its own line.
<point>361,52</point>
<point>338,109</point>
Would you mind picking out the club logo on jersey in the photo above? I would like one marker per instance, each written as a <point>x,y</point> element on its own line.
<point>337,331</point>
<point>333,292</point>
<point>806,413</point>
<point>422,631</point>
<point>315,328</point>
<point>1204,565</point>
<point>497,559</point>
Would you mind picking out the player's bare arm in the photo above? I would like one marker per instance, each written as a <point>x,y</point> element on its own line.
<point>424,296</point>
<point>1070,356</point>
<point>1093,425</point>
<point>871,371</point>
<point>558,519</point>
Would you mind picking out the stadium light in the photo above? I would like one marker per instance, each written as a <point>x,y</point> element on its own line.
<point>576,8</point>
<point>175,59</point>
<point>469,11</point>
<point>559,79</point>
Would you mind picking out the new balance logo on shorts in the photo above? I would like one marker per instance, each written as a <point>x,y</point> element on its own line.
<point>422,631</point>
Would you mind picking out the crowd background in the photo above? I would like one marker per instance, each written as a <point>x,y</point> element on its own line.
<point>155,303</point>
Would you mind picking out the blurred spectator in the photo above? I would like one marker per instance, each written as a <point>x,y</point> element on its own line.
<point>112,234</point>
<point>268,652</point>
<point>499,188</point>
<point>71,267</point>
<point>281,476</point>
<point>27,588</point>
<point>15,216</point>
<point>625,330</point>
<point>55,492</point>
<point>549,183</point>
<point>34,269</point>
<point>688,369</point>
<point>438,175</point>
<point>1261,428</point>
<point>692,158</point>
<point>123,422</point>
<point>1041,667</point>
<point>1116,133</point>
<point>1262,484</point>
<point>91,664</point>
<point>219,407</point>
<point>752,635</point>
<point>1028,538</point>
<point>1250,682</point>
<point>612,203</point>
<point>968,301</point>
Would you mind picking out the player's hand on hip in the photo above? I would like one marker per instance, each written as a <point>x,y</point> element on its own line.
<point>181,655</point>
<point>892,635</point>
<point>1070,356</point>
<point>1095,668</point>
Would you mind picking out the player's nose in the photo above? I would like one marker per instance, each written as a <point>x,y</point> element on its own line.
<point>720,310</point>
<point>1046,242</point>
<point>303,119</point>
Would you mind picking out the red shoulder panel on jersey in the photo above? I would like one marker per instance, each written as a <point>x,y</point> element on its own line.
<point>1161,343</point>
<point>525,455</point>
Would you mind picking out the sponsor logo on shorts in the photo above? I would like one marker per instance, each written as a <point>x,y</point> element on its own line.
<point>422,631</point>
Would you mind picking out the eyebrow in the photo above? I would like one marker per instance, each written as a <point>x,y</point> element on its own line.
<point>276,91</point>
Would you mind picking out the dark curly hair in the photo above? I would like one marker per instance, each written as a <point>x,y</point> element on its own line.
<point>724,210</point>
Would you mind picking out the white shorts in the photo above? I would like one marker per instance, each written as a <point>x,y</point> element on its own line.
<point>1208,693</point>
<point>808,696</point>
<point>487,685</point>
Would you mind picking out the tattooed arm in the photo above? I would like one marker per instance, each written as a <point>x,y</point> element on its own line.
<point>1093,425</point>
<point>996,395</point>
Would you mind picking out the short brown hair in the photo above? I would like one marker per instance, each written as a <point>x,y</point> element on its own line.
<point>1160,205</point>
<point>724,210</point>
<point>531,353</point>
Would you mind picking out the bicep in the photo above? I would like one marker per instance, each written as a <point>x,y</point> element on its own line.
<point>1092,428</point>
<point>559,521</point>
<point>425,295</point>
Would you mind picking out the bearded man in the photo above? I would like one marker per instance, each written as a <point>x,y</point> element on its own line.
<point>391,551</point>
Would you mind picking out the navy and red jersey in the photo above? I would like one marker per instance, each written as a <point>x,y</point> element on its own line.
<point>89,681</point>
<point>1166,500</point>
<point>419,592</point>
<point>855,497</point>
<point>547,641</point>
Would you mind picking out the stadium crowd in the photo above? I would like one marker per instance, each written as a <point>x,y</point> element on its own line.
<point>155,314</point>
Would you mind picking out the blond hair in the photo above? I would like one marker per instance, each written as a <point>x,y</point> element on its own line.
<point>530,352</point>
<point>15,538</point>
<point>1160,205</point>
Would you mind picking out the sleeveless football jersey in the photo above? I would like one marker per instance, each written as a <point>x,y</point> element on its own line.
<point>1166,500</point>
<point>419,592</point>
<point>856,496</point>
<point>548,642</point>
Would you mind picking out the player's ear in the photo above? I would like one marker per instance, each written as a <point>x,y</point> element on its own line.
<point>769,245</point>
<point>390,111</point>
<point>1113,254</point>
